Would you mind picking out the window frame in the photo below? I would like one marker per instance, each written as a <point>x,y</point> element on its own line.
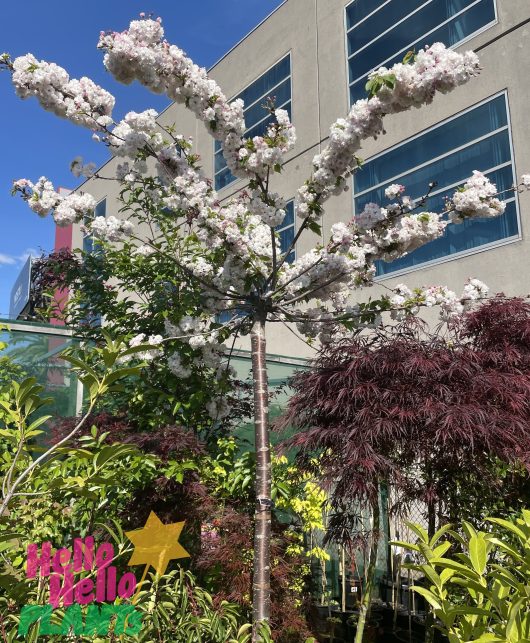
<point>347,30</point>
<point>88,235</point>
<point>292,225</point>
<point>471,251</point>
<point>235,96</point>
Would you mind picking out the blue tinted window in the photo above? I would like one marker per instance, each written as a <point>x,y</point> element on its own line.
<point>92,318</point>
<point>359,9</point>
<point>276,84</point>
<point>88,240</point>
<point>398,26</point>
<point>101,209</point>
<point>452,169</point>
<point>439,141</point>
<point>458,238</point>
<point>483,140</point>
<point>286,231</point>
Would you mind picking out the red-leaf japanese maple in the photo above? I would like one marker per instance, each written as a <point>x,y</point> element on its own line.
<point>442,417</point>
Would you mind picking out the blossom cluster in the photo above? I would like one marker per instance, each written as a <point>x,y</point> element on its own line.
<point>188,190</point>
<point>153,345</point>
<point>80,101</point>
<point>134,132</point>
<point>435,69</point>
<point>43,199</point>
<point>142,53</point>
<point>270,209</point>
<point>207,352</point>
<point>405,235</point>
<point>407,301</point>
<point>319,323</point>
<point>110,228</point>
<point>78,168</point>
<point>477,198</point>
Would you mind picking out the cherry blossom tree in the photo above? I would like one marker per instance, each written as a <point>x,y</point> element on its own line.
<point>230,250</point>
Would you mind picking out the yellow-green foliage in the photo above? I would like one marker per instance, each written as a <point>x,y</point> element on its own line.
<point>481,591</point>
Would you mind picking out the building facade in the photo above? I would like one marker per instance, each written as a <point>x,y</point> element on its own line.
<point>313,56</point>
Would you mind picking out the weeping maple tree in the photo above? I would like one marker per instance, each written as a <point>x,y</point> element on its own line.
<point>441,417</point>
<point>428,413</point>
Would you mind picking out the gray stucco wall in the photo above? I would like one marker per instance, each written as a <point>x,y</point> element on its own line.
<point>313,31</point>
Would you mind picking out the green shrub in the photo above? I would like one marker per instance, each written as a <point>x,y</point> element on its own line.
<point>478,583</point>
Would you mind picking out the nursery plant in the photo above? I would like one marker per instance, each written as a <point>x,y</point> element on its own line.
<point>110,478</point>
<point>477,582</point>
<point>230,251</point>
<point>441,418</point>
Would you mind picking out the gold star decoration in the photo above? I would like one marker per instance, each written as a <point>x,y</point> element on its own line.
<point>156,544</point>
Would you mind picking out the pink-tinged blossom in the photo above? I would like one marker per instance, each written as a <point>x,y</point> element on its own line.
<point>73,208</point>
<point>477,198</point>
<point>78,168</point>
<point>371,214</point>
<point>435,69</point>
<point>342,235</point>
<point>40,196</point>
<point>272,212</point>
<point>474,289</point>
<point>43,199</point>
<point>142,53</point>
<point>405,235</point>
<point>134,133</point>
<point>394,190</point>
<point>80,101</point>
<point>110,228</point>
<point>404,300</point>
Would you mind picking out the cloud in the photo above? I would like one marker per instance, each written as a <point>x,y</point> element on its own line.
<point>7,260</point>
<point>11,260</point>
<point>28,252</point>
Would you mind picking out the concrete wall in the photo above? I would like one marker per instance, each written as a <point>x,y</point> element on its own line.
<point>313,31</point>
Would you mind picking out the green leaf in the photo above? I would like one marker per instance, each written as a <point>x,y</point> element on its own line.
<point>431,575</point>
<point>507,548</point>
<point>428,596</point>
<point>510,527</point>
<point>446,575</point>
<point>419,531</point>
<point>38,422</point>
<point>512,626</point>
<point>441,532</point>
<point>82,366</point>
<point>442,549</point>
<point>478,553</point>
<point>10,535</point>
<point>458,567</point>
<point>401,543</point>
<point>314,227</point>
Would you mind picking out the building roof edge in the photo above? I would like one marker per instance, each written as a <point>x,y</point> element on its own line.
<point>208,70</point>
<point>227,53</point>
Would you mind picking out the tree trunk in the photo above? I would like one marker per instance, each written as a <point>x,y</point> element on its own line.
<point>370,576</point>
<point>261,590</point>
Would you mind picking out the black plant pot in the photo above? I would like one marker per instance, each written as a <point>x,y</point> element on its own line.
<point>337,623</point>
<point>406,636</point>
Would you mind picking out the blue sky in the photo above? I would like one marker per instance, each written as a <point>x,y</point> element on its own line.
<point>35,143</point>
